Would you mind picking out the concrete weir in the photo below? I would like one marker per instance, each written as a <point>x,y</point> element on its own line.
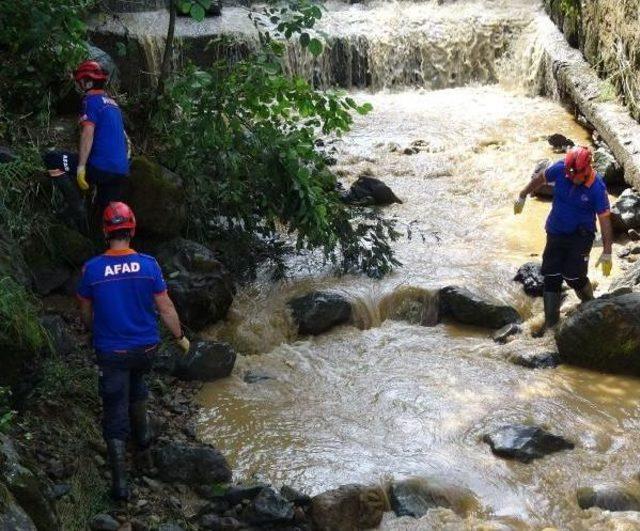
<point>568,76</point>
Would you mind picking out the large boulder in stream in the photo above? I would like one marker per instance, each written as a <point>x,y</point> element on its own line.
<point>625,212</point>
<point>610,496</point>
<point>603,334</point>
<point>206,361</point>
<point>415,496</point>
<point>192,465</point>
<point>158,199</point>
<point>525,443</point>
<point>464,307</point>
<point>200,286</point>
<point>629,280</point>
<point>348,507</point>
<point>318,312</point>
<point>531,278</point>
<point>268,508</point>
<point>368,191</point>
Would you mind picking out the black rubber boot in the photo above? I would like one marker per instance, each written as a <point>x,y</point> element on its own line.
<point>117,450</point>
<point>552,301</point>
<point>585,293</point>
<point>140,424</point>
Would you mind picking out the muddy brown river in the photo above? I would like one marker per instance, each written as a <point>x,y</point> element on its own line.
<point>385,399</point>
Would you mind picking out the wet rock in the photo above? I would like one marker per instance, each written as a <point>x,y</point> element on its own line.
<point>294,496</point>
<point>237,493</point>
<point>7,155</point>
<point>625,212</point>
<point>560,143</point>
<point>317,312</point>
<point>464,307</point>
<point>531,278</point>
<point>538,360</point>
<point>348,507</point>
<point>12,516</point>
<point>415,496</point>
<point>606,165</point>
<point>370,191</point>
<point>501,336</point>
<point>104,522</point>
<point>603,334</point>
<point>170,526</point>
<point>12,263</point>
<point>252,377</point>
<point>268,507</point>
<point>200,286</point>
<point>62,341</point>
<point>60,490</point>
<point>218,523</point>
<point>151,185</point>
<point>27,488</point>
<point>206,361</point>
<point>628,280</point>
<point>525,443</point>
<point>610,497</point>
<point>191,465</point>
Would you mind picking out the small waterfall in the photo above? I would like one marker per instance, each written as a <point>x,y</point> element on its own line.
<point>445,55</point>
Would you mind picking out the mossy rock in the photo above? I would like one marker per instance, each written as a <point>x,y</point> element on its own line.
<point>12,262</point>
<point>71,246</point>
<point>12,516</point>
<point>603,334</point>
<point>157,198</point>
<point>26,487</point>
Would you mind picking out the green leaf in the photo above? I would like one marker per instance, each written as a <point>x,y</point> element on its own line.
<point>184,6</point>
<point>304,39</point>
<point>197,12</point>
<point>315,47</point>
<point>206,4</point>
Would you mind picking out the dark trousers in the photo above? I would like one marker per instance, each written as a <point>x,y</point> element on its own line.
<point>109,186</point>
<point>566,256</point>
<point>122,383</point>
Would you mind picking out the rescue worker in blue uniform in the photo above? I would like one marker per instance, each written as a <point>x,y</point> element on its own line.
<point>103,153</point>
<point>120,294</point>
<point>579,195</point>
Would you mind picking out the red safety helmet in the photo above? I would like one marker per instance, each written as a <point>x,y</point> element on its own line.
<point>577,162</point>
<point>118,216</point>
<point>90,70</point>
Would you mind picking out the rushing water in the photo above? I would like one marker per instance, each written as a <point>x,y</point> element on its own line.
<point>384,398</point>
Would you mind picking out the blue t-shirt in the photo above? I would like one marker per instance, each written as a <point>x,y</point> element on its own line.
<point>574,206</point>
<point>109,149</point>
<point>122,286</point>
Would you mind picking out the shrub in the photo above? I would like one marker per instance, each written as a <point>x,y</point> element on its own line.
<point>40,41</point>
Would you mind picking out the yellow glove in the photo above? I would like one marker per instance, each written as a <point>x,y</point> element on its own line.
<point>183,343</point>
<point>518,205</point>
<point>606,262</point>
<point>81,177</point>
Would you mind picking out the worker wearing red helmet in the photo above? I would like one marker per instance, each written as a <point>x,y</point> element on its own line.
<point>119,294</point>
<point>102,157</point>
<point>579,196</point>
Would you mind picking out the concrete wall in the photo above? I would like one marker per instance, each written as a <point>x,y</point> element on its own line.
<point>608,34</point>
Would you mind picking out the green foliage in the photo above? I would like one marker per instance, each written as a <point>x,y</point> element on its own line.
<point>19,325</point>
<point>242,136</point>
<point>6,413</point>
<point>25,203</point>
<point>60,380</point>
<point>197,9</point>
<point>570,7</point>
<point>40,42</point>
